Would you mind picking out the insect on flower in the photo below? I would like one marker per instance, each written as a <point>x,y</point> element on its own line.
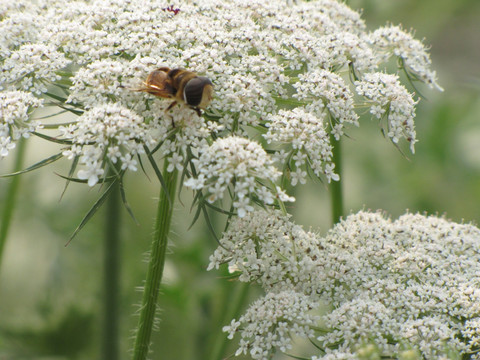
<point>181,85</point>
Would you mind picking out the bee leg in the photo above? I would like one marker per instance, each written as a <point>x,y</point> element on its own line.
<point>168,108</point>
<point>171,106</point>
<point>198,111</point>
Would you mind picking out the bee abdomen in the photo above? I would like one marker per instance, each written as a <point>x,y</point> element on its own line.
<point>194,90</point>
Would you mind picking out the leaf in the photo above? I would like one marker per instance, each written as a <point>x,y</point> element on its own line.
<point>82,181</point>
<point>220,210</point>
<point>297,357</point>
<point>142,167</point>
<point>196,216</point>
<point>125,202</point>
<point>158,173</point>
<point>75,112</point>
<point>352,73</point>
<point>201,208</point>
<point>92,211</point>
<point>70,174</point>
<point>411,77</point>
<point>185,172</point>
<point>51,115</point>
<point>316,345</point>
<point>209,224</point>
<point>52,139</point>
<point>38,165</point>
<point>56,97</point>
<point>61,104</point>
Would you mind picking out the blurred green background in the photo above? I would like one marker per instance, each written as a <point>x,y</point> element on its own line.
<point>50,295</point>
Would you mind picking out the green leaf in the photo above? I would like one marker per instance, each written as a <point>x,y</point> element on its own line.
<point>92,211</point>
<point>70,174</point>
<point>142,167</point>
<point>297,357</point>
<point>61,104</point>
<point>411,77</point>
<point>201,203</point>
<point>56,97</point>
<point>125,202</point>
<point>209,223</point>
<point>196,215</point>
<point>220,210</point>
<point>38,165</point>
<point>157,172</point>
<point>316,345</point>
<point>85,181</point>
<point>51,115</point>
<point>52,139</point>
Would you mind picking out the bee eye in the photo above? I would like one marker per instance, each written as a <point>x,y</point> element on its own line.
<point>193,91</point>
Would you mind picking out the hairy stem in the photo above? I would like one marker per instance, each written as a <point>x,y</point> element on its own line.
<point>336,192</point>
<point>11,196</point>
<point>156,264</point>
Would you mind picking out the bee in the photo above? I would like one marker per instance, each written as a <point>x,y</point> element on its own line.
<point>183,86</point>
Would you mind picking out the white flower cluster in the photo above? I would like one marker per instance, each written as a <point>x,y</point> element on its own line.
<point>327,90</point>
<point>240,163</point>
<point>276,317</point>
<point>15,109</point>
<point>260,56</point>
<point>268,248</point>
<point>409,285</point>
<point>32,67</point>
<point>310,143</point>
<point>390,99</point>
<point>114,80</point>
<point>16,30</point>
<point>106,133</point>
<point>413,280</point>
<point>393,41</point>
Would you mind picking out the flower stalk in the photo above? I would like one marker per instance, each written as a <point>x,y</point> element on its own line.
<point>156,264</point>
<point>336,192</point>
<point>10,198</point>
<point>112,275</point>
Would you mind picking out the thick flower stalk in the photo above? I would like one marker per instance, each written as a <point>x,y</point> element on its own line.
<point>405,286</point>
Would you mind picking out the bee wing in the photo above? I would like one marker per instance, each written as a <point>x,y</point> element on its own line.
<point>159,84</point>
<point>165,92</point>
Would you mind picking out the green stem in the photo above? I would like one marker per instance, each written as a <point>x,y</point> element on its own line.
<point>336,186</point>
<point>11,196</point>
<point>111,275</point>
<point>236,301</point>
<point>156,264</point>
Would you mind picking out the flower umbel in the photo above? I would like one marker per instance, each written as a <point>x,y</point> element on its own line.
<point>240,163</point>
<point>389,99</point>
<point>15,109</point>
<point>410,282</point>
<point>394,41</point>
<point>264,58</point>
<point>271,321</point>
<point>109,132</point>
<point>310,145</point>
